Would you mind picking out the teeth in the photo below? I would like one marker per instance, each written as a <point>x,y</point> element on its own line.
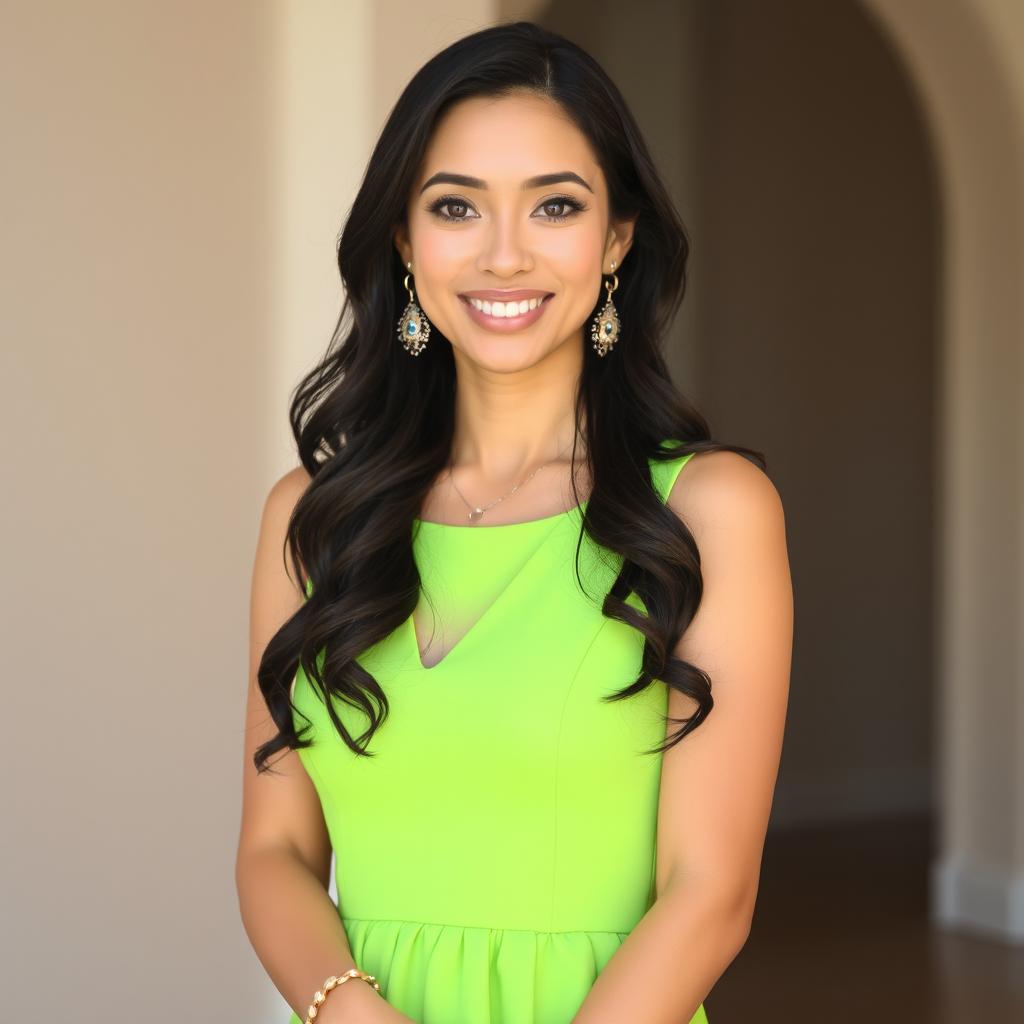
<point>504,309</point>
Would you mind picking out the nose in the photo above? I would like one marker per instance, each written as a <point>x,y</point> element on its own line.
<point>505,251</point>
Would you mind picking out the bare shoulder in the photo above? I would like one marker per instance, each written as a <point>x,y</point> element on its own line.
<point>723,490</point>
<point>286,491</point>
<point>280,503</point>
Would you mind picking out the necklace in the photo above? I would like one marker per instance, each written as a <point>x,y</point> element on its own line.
<point>476,512</point>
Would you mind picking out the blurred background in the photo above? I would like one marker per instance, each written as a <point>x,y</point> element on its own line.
<point>852,174</point>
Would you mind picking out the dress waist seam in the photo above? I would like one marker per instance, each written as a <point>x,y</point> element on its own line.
<point>485,928</point>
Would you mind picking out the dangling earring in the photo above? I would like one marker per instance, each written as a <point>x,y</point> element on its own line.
<point>414,327</point>
<point>605,330</point>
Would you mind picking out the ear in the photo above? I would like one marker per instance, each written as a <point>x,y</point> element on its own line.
<point>401,237</point>
<point>620,241</point>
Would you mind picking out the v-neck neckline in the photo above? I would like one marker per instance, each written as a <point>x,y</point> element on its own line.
<point>449,530</point>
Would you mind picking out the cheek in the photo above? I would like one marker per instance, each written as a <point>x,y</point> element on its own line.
<point>574,252</point>
<point>442,252</point>
<point>437,264</point>
<point>578,266</point>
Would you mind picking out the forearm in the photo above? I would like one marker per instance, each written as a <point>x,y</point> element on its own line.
<point>668,963</point>
<point>294,928</point>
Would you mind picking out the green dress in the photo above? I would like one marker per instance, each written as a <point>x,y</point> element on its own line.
<point>500,846</point>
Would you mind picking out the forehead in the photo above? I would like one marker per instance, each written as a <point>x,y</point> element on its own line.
<point>506,140</point>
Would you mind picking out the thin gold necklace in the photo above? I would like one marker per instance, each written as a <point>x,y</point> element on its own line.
<point>476,512</point>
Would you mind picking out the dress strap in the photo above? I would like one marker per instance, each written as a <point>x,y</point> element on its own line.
<point>664,473</point>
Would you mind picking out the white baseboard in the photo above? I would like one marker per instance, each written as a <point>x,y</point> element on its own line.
<point>978,899</point>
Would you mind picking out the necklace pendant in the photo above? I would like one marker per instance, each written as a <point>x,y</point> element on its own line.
<point>476,515</point>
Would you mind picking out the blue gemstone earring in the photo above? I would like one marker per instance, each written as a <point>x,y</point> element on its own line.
<point>414,327</point>
<point>604,331</point>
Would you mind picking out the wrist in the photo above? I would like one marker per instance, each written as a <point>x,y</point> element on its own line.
<point>352,1002</point>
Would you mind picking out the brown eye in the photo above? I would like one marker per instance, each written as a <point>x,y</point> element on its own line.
<point>573,206</point>
<point>439,206</point>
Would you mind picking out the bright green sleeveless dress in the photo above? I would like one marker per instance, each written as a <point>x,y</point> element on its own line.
<point>500,846</point>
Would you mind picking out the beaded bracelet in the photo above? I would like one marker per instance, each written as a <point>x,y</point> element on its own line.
<point>332,982</point>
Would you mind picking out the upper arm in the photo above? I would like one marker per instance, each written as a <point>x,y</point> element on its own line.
<point>279,808</point>
<point>717,784</point>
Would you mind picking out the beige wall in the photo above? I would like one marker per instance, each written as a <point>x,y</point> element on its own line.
<point>136,357</point>
<point>156,241</point>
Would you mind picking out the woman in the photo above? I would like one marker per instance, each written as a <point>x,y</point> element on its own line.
<point>505,583</point>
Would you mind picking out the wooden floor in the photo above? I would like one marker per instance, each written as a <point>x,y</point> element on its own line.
<point>841,934</point>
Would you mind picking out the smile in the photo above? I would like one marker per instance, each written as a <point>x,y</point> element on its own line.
<point>505,324</point>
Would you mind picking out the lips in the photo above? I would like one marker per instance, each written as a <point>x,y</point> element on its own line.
<point>506,324</point>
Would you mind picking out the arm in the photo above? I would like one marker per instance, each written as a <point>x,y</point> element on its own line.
<point>283,861</point>
<point>717,784</point>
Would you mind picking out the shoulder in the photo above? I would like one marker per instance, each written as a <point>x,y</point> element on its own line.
<point>279,505</point>
<point>723,491</point>
<point>286,490</point>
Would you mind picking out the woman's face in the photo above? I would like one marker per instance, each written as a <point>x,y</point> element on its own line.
<point>502,232</point>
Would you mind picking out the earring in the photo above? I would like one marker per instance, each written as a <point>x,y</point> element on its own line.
<point>605,330</point>
<point>414,327</point>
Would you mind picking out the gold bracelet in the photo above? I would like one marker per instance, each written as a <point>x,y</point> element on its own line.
<point>332,982</point>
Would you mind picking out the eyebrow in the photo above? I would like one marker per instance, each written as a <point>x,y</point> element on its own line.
<point>538,181</point>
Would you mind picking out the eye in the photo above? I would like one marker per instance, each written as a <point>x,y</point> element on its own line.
<point>455,204</point>
<point>453,201</point>
<point>574,205</point>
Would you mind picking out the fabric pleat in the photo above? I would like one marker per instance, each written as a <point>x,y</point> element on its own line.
<point>437,972</point>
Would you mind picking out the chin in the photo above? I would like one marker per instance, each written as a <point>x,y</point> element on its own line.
<point>500,354</point>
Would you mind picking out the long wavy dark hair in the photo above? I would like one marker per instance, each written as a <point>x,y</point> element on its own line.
<point>374,427</point>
